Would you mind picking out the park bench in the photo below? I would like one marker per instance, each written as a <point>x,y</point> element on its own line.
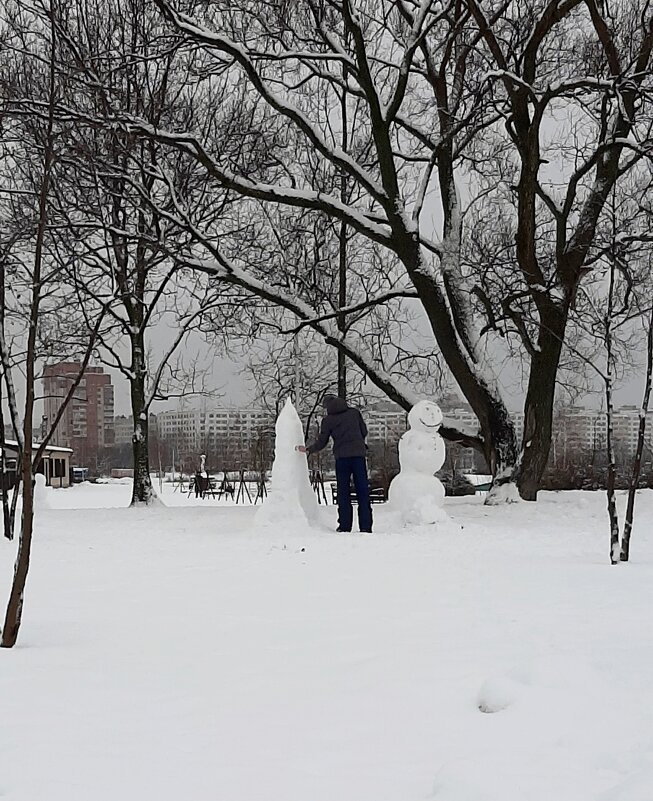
<point>377,494</point>
<point>207,487</point>
<point>226,488</point>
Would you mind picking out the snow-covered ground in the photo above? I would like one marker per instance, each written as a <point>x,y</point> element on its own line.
<point>180,654</point>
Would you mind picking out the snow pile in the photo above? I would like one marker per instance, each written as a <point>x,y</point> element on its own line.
<point>503,493</point>
<point>41,493</point>
<point>497,693</point>
<point>415,492</point>
<point>291,499</point>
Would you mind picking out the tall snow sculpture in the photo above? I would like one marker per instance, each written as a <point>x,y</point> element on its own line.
<point>415,492</point>
<point>291,497</point>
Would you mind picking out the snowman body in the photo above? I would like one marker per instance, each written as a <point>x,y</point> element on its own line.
<point>415,492</point>
<point>291,499</point>
<point>41,492</point>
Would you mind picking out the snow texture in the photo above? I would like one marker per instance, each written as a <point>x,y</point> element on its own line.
<point>166,654</point>
<point>291,499</point>
<point>415,492</point>
<point>503,493</point>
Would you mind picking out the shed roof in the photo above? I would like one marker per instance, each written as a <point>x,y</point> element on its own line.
<point>12,445</point>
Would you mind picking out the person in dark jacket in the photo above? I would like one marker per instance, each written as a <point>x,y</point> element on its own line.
<point>346,427</point>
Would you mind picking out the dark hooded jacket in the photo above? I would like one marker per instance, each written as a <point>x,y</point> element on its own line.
<point>345,425</point>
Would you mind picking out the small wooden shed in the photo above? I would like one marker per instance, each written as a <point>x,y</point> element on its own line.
<point>54,465</point>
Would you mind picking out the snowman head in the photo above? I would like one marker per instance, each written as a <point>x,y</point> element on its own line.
<point>425,416</point>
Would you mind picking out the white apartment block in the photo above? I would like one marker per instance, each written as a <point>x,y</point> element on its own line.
<point>385,425</point>
<point>200,428</point>
<point>197,426</point>
<point>123,429</point>
<point>587,429</point>
<point>575,430</point>
<point>123,426</point>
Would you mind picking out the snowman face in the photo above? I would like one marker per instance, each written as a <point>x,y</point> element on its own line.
<point>425,416</point>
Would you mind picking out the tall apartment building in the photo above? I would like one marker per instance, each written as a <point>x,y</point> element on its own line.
<point>87,423</point>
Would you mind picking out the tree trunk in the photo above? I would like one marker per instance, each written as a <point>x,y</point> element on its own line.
<point>500,453</point>
<point>342,301</point>
<point>500,448</point>
<point>613,514</point>
<point>142,490</point>
<point>637,461</point>
<point>342,246</point>
<point>4,489</point>
<point>538,415</point>
<point>497,428</point>
<point>14,613</point>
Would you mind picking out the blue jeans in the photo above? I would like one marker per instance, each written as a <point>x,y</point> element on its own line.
<point>346,468</point>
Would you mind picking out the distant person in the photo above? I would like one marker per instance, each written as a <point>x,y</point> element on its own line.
<point>201,483</point>
<point>345,425</point>
<point>201,479</point>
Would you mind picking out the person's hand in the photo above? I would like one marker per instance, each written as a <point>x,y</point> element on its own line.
<point>300,448</point>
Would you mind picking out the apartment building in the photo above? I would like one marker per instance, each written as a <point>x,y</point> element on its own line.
<point>230,434</point>
<point>123,429</point>
<point>458,415</point>
<point>195,427</point>
<point>586,430</point>
<point>87,422</point>
<point>228,437</point>
<point>385,424</point>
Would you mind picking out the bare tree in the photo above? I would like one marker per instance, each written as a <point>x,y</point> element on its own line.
<point>401,131</point>
<point>35,157</point>
<point>641,441</point>
<point>123,187</point>
<point>613,310</point>
<point>599,90</point>
<point>625,248</point>
<point>432,82</point>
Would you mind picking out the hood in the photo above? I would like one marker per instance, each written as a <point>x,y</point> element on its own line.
<point>335,405</point>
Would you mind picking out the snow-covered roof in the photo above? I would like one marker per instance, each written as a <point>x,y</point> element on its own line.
<point>11,444</point>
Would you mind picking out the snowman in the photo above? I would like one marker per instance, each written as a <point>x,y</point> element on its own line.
<point>41,492</point>
<point>415,492</point>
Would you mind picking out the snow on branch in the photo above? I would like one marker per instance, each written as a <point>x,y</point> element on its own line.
<point>368,303</point>
<point>333,153</point>
<point>307,199</point>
